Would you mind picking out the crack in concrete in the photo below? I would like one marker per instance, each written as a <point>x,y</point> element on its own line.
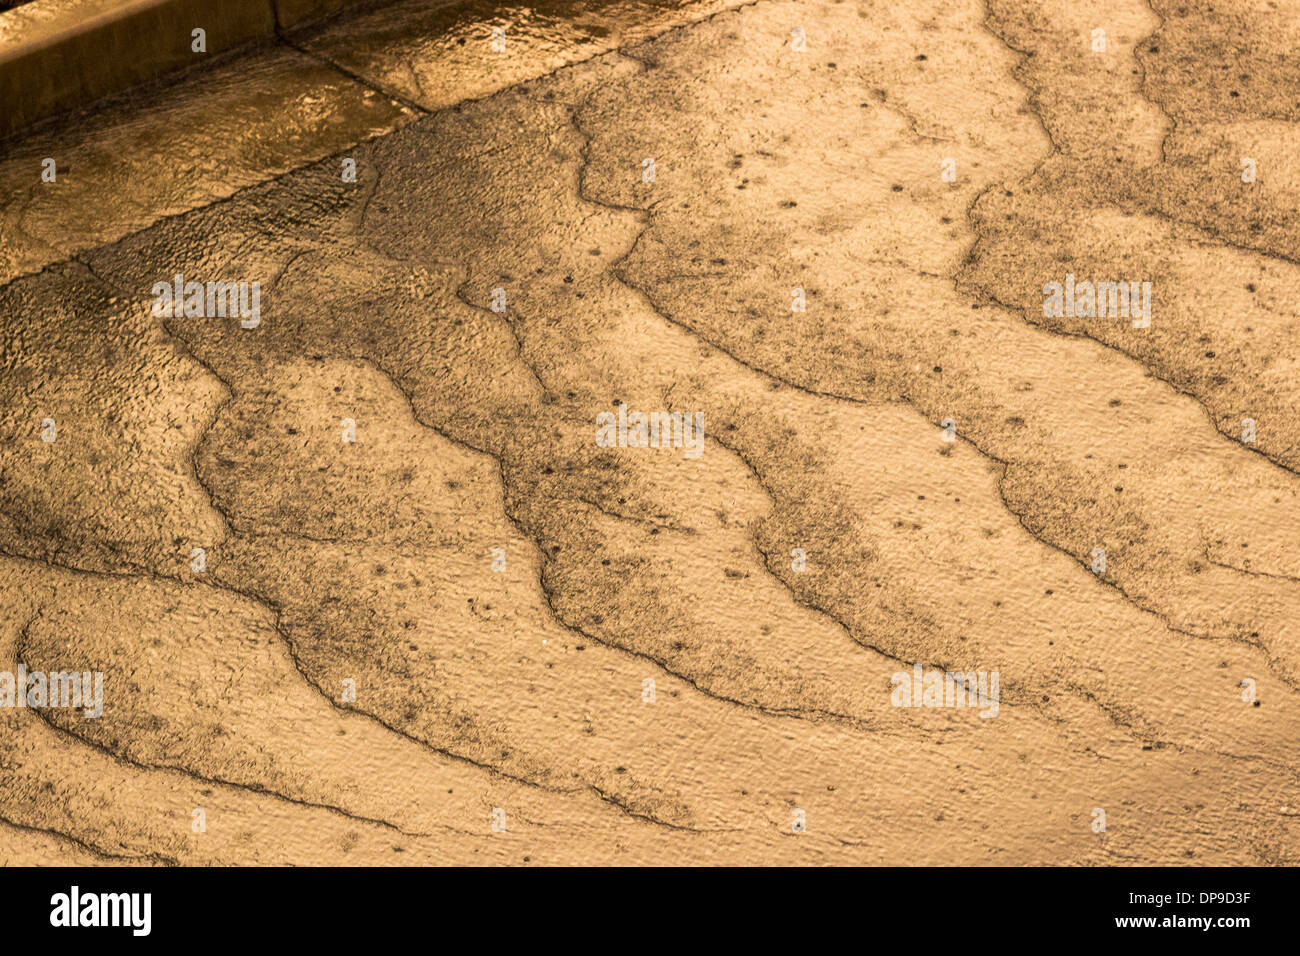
<point>619,516</point>
<point>913,124</point>
<point>20,647</point>
<point>97,852</point>
<point>360,80</point>
<point>1142,89</point>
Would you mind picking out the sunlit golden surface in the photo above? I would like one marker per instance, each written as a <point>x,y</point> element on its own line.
<point>435,619</point>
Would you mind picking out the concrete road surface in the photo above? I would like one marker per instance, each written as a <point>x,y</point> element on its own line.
<point>797,432</point>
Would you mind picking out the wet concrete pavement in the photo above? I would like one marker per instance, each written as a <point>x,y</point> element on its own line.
<point>635,655</point>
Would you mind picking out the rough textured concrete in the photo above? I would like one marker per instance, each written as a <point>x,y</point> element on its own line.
<point>1161,689</point>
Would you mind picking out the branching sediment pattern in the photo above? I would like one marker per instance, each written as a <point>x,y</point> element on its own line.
<point>474,634</point>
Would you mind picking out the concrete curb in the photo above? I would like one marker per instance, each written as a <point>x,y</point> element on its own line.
<point>60,55</point>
